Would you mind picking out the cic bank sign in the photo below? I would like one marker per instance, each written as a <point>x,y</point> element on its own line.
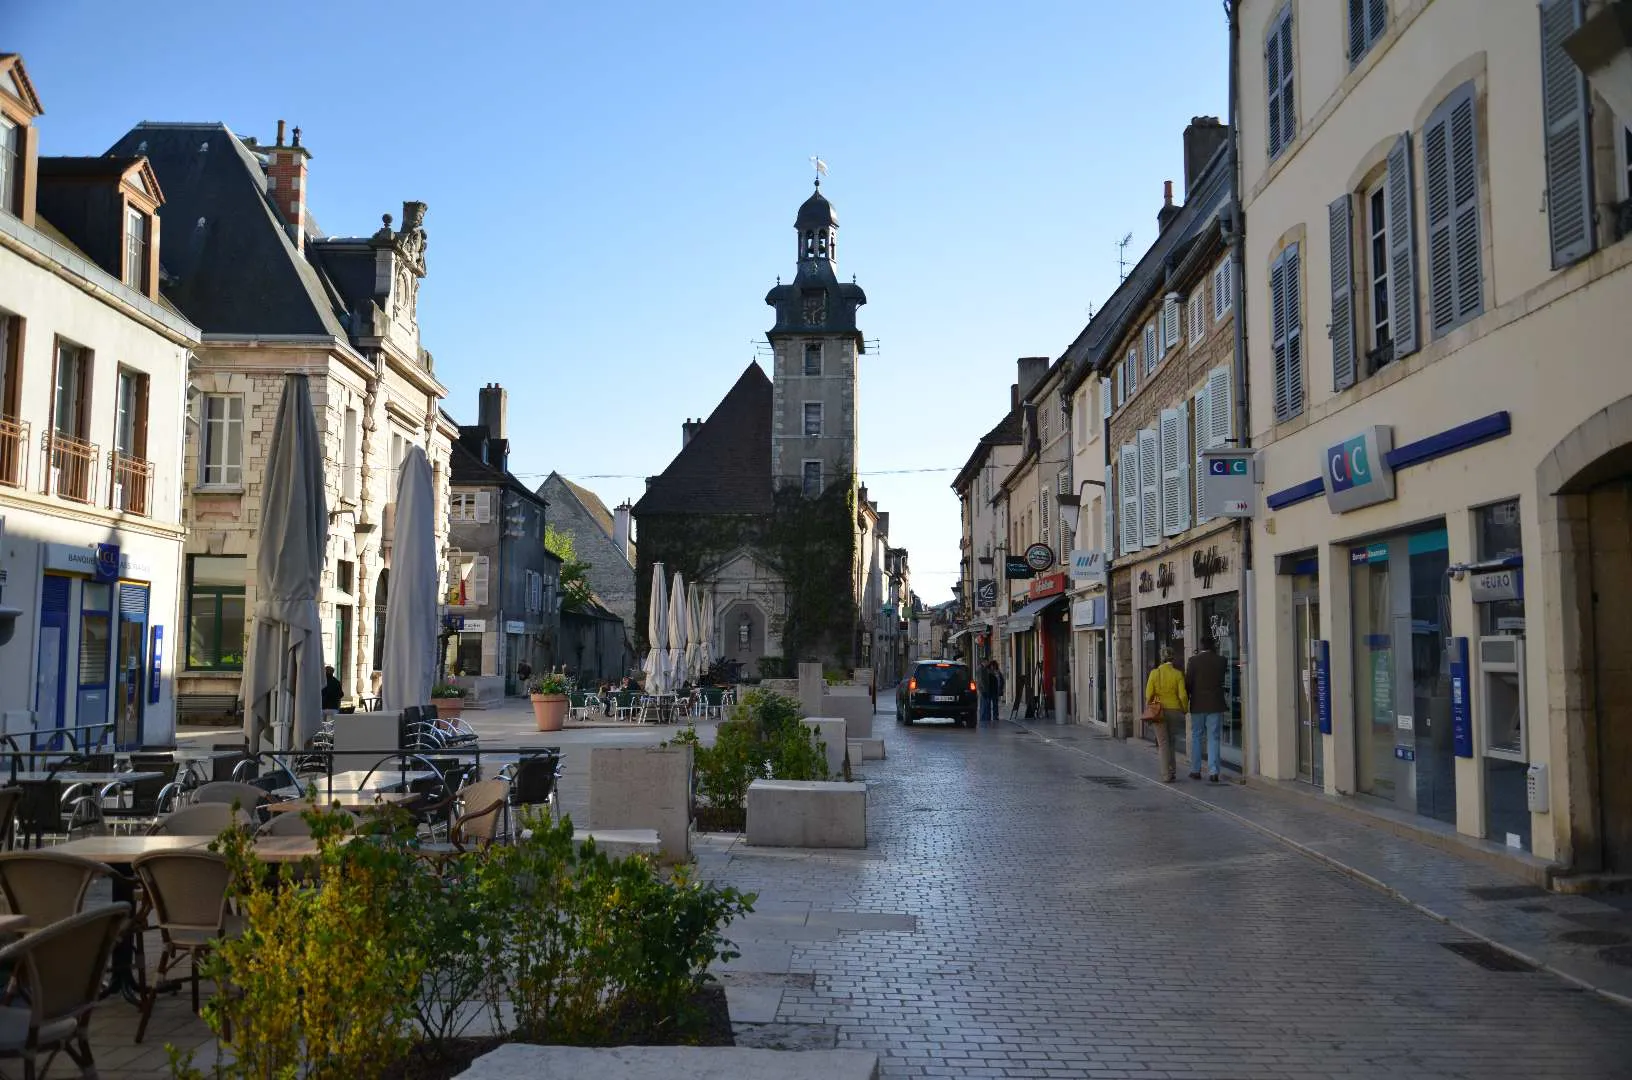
<point>1357,472</point>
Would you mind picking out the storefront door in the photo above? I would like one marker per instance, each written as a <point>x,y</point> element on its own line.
<point>130,695</point>
<point>51,672</point>
<point>95,659</point>
<point>1305,632</point>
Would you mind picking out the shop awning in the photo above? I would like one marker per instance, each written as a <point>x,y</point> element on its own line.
<point>1026,617</point>
<point>950,638</point>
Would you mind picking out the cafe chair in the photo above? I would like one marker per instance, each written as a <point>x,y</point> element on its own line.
<point>187,894</point>
<point>294,823</point>
<point>47,886</point>
<point>59,971</point>
<point>200,819</point>
<point>483,819</point>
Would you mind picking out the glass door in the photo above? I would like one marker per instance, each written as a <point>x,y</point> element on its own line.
<point>130,697</point>
<point>1305,631</point>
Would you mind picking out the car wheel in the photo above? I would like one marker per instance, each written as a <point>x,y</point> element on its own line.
<point>907,718</point>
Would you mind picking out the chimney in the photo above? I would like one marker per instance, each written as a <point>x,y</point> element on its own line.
<point>491,410</point>
<point>688,429</point>
<point>622,521</point>
<point>1032,371</point>
<point>1201,141</point>
<point>1014,396</point>
<point>286,185</point>
<point>1168,212</point>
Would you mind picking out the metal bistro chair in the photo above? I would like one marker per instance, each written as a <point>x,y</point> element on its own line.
<point>149,799</point>
<point>200,819</point>
<point>47,886</point>
<point>249,796</point>
<point>59,969</point>
<point>483,821</point>
<point>187,891</point>
<point>55,808</point>
<point>10,799</point>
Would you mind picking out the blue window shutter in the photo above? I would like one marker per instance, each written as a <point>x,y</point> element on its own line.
<point>1567,129</point>
<point>1400,200</point>
<point>1340,216</point>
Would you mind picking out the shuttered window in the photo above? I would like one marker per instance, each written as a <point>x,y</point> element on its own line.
<point>1222,293</point>
<point>1214,414</point>
<point>1105,399</point>
<point>1131,375</point>
<point>1152,351</point>
<point>1174,433</point>
<point>1150,488</point>
<point>1570,231</point>
<point>1402,249</point>
<point>1281,106</point>
<point>1127,490</point>
<point>1196,317</point>
<point>1286,330</point>
<point>1340,218</point>
<point>1170,322</point>
<point>1450,153</point>
<point>1367,21</point>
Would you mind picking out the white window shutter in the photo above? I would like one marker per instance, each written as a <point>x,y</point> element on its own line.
<point>1168,433</point>
<point>1170,323</point>
<point>484,507</point>
<point>478,584</point>
<point>1150,488</point>
<point>1204,420</point>
<point>1133,372</point>
<point>1183,456</point>
<point>1152,352</point>
<point>1220,406</point>
<point>1128,492</point>
<point>1106,504</point>
<point>1105,399</point>
<point>1400,197</point>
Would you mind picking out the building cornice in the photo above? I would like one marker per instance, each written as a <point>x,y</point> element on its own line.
<point>17,498</point>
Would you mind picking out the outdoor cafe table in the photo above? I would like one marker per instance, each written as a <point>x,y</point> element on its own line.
<point>70,776</point>
<point>346,800</point>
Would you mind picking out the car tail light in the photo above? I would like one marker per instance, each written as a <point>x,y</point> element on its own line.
<point>972,686</point>
<point>912,684</point>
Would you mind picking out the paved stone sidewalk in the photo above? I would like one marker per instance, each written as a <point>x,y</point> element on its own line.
<point>1036,909</point>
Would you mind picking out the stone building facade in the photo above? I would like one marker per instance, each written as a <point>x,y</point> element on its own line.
<point>600,537</point>
<point>274,295</point>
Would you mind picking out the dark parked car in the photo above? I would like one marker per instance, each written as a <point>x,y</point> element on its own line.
<point>937,688</point>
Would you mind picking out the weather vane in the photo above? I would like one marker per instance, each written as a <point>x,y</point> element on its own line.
<point>819,165</point>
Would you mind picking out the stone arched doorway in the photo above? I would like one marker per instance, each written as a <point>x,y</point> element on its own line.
<point>1586,485</point>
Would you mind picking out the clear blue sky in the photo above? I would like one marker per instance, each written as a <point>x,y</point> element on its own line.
<point>612,188</point>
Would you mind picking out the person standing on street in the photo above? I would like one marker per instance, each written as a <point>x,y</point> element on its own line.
<point>1204,679</point>
<point>1165,687</point>
<point>991,686</point>
<point>332,691</point>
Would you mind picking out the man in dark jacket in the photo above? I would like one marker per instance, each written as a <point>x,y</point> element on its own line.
<point>991,691</point>
<point>331,690</point>
<point>1204,680</point>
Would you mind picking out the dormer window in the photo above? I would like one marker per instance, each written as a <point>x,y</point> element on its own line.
<point>11,167</point>
<point>137,225</point>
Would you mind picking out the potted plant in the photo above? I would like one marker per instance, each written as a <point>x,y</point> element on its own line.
<point>448,699</point>
<point>549,694</point>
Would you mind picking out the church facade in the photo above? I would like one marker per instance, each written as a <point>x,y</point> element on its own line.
<point>761,504</point>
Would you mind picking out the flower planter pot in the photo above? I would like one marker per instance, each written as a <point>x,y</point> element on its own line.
<point>550,710</point>
<point>448,708</point>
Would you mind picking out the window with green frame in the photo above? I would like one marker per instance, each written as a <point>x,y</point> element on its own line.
<point>215,612</point>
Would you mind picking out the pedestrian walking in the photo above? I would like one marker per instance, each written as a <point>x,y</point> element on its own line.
<point>991,677</point>
<point>1165,688</point>
<point>1204,679</point>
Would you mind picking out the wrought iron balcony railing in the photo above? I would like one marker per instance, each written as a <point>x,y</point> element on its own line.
<point>130,482</point>
<point>70,467</point>
<point>13,452</point>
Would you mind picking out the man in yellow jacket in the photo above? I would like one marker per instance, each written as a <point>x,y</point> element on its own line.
<point>1166,687</point>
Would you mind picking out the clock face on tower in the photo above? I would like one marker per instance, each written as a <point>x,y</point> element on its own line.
<point>810,267</point>
<point>815,309</point>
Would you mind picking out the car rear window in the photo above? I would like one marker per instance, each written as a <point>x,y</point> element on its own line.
<point>942,676</point>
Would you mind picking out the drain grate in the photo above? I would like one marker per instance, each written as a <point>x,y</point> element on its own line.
<point>1488,956</point>
<point>1107,781</point>
<point>1594,937</point>
<point>1620,955</point>
<point>1506,892</point>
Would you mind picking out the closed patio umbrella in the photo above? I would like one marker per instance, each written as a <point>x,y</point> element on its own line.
<point>408,663</point>
<point>694,631</point>
<point>657,634</point>
<point>285,676</point>
<point>678,631</point>
<point>710,652</point>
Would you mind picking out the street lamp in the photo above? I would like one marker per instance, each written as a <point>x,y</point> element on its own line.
<point>1071,504</point>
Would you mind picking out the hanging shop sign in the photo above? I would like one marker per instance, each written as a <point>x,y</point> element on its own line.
<point>1357,472</point>
<point>1498,585</point>
<point>1039,557</point>
<point>986,593</point>
<point>1088,613</point>
<point>1088,567</point>
<point>1016,569</point>
<point>1045,586</point>
<point>1227,484</point>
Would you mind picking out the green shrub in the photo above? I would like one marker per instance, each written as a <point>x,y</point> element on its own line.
<point>763,737</point>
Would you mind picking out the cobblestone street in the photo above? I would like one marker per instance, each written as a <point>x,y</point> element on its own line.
<point>1026,907</point>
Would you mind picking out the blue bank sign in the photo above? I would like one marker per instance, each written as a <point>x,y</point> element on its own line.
<point>1357,472</point>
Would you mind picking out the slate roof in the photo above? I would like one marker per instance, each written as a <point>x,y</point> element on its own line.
<point>467,469</point>
<point>1006,433</point>
<point>591,502</point>
<point>90,168</point>
<point>726,467</point>
<point>228,262</point>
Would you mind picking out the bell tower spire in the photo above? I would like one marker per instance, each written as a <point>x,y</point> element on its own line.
<point>818,229</point>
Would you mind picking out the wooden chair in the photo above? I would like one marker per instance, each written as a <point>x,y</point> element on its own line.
<point>59,971</point>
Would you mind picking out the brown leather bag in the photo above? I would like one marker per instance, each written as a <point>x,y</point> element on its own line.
<point>1153,712</point>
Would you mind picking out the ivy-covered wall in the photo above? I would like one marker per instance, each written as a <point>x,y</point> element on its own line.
<point>810,542</point>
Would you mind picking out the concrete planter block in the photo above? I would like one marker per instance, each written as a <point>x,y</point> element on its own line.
<point>807,814</point>
<point>643,787</point>
<point>517,1061</point>
<point>830,729</point>
<point>811,685</point>
<point>856,711</point>
<point>621,843</point>
<point>866,749</point>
